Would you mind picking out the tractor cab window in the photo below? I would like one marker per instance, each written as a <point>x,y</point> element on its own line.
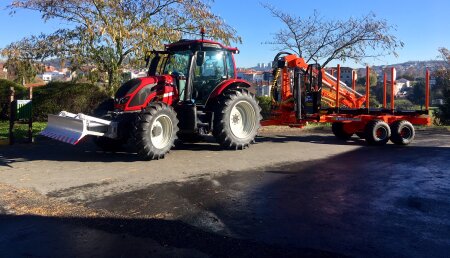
<point>178,63</point>
<point>209,75</point>
<point>230,65</point>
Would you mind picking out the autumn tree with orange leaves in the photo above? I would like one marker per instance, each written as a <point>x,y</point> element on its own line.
<point>110,33</point>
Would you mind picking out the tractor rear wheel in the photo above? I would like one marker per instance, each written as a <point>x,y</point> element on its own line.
<point>402,132</point>
<point>237,119</point>
<point>377,132</point>
<point>155,131</point>
<point>338,130</point>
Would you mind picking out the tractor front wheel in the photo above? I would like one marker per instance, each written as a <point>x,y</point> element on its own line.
<point>155,131</point>
<point>237,119</point>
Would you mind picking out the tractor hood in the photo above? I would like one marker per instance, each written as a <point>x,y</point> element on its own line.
<point>136,93</point>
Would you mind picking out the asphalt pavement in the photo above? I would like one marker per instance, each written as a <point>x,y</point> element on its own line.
<point>293,194</point>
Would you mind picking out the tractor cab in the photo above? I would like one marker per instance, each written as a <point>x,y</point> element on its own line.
<point>197,67</point>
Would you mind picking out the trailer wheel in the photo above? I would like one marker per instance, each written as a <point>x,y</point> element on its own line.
<point>402,132</point>
<point>237,119</point>
<point>377,132</point>
<point>155,131</point>
<point>338,130</point>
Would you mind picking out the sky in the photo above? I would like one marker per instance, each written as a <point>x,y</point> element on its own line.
<point>423,26</point>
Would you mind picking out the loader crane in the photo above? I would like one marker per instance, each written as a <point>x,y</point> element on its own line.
<point>303,93</point>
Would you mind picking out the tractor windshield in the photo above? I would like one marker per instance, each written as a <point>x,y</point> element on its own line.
<point>178,63</point>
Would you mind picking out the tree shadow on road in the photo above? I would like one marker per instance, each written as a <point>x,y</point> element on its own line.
<point>364,202</point>
<point>121,237</point>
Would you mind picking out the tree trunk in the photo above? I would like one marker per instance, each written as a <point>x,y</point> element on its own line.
<point>113,81</point>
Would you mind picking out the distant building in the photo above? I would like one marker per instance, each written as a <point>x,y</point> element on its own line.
<point>346,74</point>
<point>404,82</point>
<point>267,76</point>
<point>437,102</point>
<point>263,89</point>
<point>250,75</point>
<point>53,76</point>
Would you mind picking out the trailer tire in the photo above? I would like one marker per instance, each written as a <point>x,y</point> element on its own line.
<point>377,132</point>
<point>403,132</point>
<point>155,131</point>
<point>338,130</point>
<point>237,119</point>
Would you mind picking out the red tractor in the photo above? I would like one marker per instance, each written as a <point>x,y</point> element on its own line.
<point>191,90</point>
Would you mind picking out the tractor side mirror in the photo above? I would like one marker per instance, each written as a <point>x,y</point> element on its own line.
<point>200,58</point>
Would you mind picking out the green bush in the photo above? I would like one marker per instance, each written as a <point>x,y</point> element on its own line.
<point>442,114</point>
<point>403,104</point>
<point>266,104</point>
<point>69,96</point>
<point>5,85</point>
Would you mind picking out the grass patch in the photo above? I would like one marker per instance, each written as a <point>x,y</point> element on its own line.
<point>20,130</point>
<point>317,126</point>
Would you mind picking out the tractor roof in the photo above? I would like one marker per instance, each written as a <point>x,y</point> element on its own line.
<point>195,45</point>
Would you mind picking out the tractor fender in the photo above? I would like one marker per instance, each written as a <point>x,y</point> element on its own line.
<point>225,85</point>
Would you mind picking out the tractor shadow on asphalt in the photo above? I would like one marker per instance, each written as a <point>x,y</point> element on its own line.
<point>310,138</point>
<point>86,151</point>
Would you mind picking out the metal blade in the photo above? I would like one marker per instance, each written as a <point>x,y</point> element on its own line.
<point>65,129</point>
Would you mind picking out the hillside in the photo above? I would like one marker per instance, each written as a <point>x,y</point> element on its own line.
<point>413,69</point>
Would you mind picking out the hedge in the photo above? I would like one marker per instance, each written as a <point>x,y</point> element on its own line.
<point>5,85</point>
<point>73,97</point>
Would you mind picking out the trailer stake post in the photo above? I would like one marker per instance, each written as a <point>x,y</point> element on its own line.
<point>338,82</point>
<point>392,89</point>
<point>367,88</point>
<point>384,90</point>
<point>427,90</point>
<point>354,80</point>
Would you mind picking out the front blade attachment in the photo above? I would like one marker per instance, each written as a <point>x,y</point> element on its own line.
<point>71,128</point>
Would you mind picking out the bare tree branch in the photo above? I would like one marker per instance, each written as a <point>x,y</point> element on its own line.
<point>323,40</point>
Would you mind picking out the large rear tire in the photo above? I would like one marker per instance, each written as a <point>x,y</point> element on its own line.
<point>237,119</point>
<point>377,132</point>
<point>403,132</point>
<point>338,130</point>
<point>155,131</point>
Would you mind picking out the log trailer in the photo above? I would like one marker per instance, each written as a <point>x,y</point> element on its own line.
<point>303,93</point>
<point>192,89</point>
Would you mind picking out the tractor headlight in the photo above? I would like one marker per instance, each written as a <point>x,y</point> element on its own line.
<point>123,100</point>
